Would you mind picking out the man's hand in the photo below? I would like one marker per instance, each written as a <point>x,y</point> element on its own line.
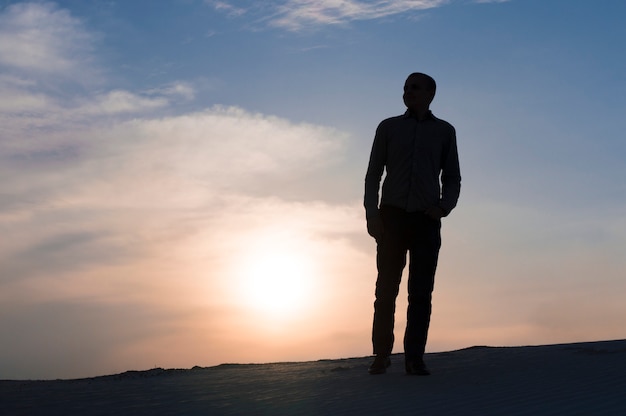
<point>436,213</point>
<point>375,227</point>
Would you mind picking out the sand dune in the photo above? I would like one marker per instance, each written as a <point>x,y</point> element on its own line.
<point>568,379</point>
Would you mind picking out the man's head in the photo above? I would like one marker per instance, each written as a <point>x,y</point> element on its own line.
<point>419,91</point>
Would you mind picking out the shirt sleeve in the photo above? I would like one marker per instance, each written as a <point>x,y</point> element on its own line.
<point>375,169</point>
<point>450,177</point>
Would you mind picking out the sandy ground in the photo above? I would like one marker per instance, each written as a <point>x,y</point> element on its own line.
<point>569,379</point>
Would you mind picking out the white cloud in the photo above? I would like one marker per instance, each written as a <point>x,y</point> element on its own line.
<point>119,101</point>
<point>227,8</point>
<point>295,14</point>
<point>45,53</point>
<point>40,38</point>
<point>299,14</point>
<point>178,89</point>
<point>77,182</point>
<point>17,95</point>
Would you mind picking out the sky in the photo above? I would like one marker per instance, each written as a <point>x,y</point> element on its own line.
<point>182,181</point>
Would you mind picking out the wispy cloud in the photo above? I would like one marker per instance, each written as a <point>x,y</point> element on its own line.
<point>73,189</point>
<point>492,1</point>
<point>179,89</point>
<point>50,80</point>
<point>41,38</point>
<point>227,8</point>
<point>294,15</point>
<point>17,95</point>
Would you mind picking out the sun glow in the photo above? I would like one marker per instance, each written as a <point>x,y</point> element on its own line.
<point>277,281</point>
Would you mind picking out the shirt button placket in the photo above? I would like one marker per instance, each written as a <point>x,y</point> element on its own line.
<point>412,200</point>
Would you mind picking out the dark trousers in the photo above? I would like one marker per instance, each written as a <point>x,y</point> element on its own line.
<point>421,237</point>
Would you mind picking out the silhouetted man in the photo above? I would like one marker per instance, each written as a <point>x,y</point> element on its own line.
<point>418,151</point>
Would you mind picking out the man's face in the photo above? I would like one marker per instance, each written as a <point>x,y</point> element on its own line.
<point>417,95</point>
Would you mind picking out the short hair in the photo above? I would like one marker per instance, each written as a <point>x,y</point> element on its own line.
<point>430,81</point>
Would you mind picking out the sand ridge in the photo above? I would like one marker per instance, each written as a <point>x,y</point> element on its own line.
<point>565,379</point>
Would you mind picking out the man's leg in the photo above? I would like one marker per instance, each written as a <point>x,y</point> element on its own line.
<point>424,253</point>
<point>391,259</point>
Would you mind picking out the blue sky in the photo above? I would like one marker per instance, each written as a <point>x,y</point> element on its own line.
<point>182,180</point>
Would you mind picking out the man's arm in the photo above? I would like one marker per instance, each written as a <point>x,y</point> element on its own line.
<point>375,169</point>
<point>450,177</point>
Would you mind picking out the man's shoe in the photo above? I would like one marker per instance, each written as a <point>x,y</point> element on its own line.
<point>380,364</point>
<point>416,368</point>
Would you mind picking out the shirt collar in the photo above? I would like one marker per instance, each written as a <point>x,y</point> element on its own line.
<point>429,115</point>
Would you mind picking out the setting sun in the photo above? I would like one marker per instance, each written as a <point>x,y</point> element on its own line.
<point>277,280</point>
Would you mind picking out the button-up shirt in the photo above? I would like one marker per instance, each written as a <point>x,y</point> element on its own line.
<point>421,161</point>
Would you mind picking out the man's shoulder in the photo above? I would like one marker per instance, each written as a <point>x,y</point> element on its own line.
<point>443,122</point>
<point>390,121</point>
<point>394,119</point>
